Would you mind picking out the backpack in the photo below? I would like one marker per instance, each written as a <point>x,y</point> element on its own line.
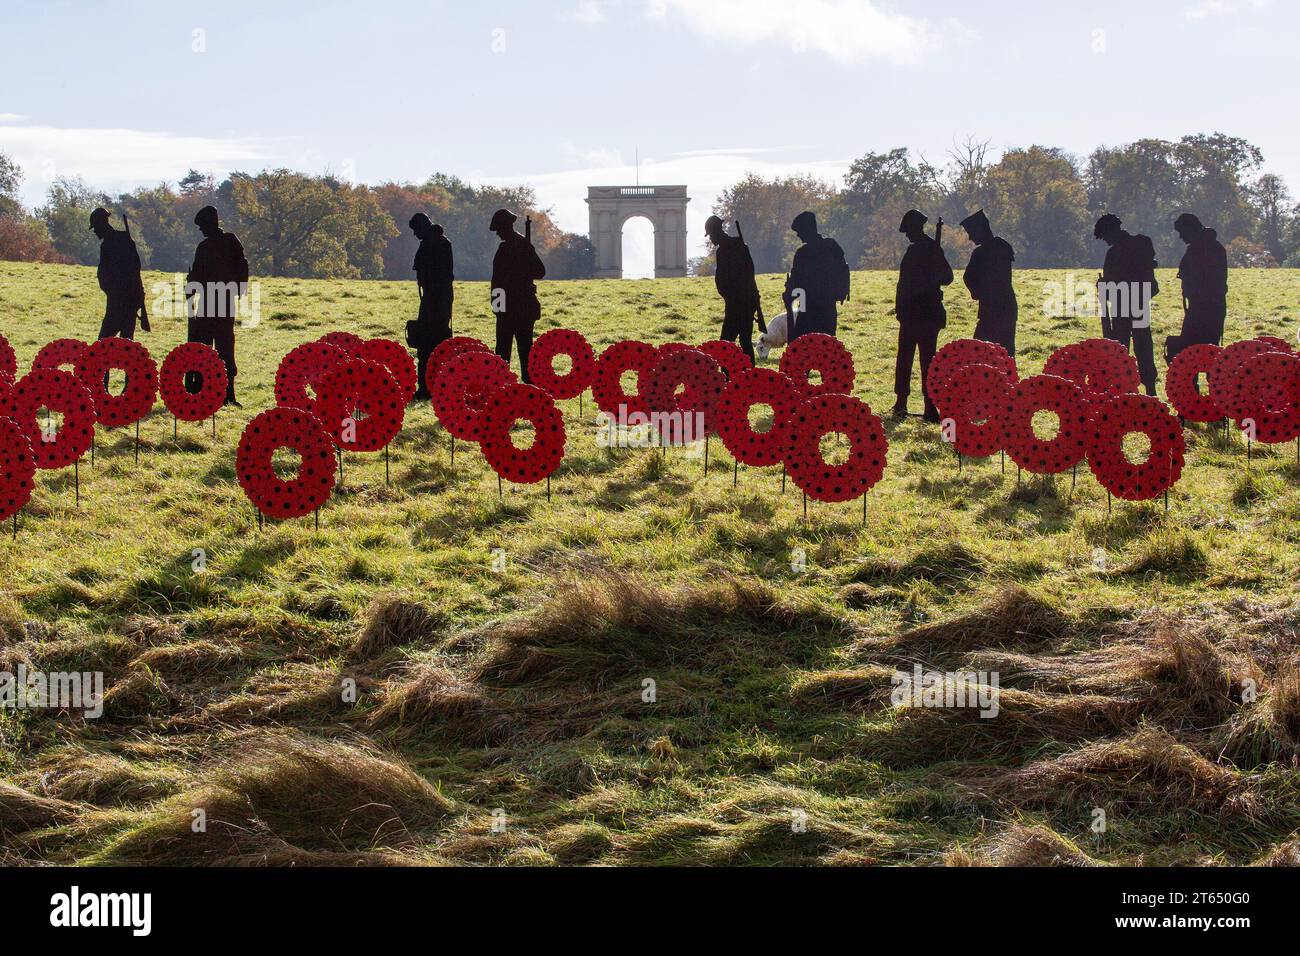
<point>840,277</point>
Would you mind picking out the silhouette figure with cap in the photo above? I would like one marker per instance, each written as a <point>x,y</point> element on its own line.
<point>1204,274</point>
<point>918,306</point>
<point>1128,284</point>
<point>217,279</point>
<point>434,275</point>
<point>988,277</point>
<point>734,278</point>
<point>818,281</point>
<point>515,268</point>
<point>119,278</point>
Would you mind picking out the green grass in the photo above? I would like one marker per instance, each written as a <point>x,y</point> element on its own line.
<point>1122,639</point>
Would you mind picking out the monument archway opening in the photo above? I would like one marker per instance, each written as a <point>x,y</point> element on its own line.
<point>610,207</point>
<point>637,244</point>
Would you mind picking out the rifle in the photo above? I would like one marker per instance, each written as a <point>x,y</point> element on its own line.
<point>762,323</point>
<point>144,314</point>
<point>528,228</point>
<point>1107,328</point>
<point>938,230</point>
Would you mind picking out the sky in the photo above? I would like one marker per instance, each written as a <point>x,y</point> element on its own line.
<point>563,94</point>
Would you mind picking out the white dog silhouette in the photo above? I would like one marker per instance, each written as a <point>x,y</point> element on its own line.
<point>776,337</point>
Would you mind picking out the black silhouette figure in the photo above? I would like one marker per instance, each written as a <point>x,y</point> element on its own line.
<point>119,278</point>
<point>988,277</point>
<point>918,306</point>
<point>734,277</point>
<point>515,267</point>
<point>1204,274</point>
<point>433,277</point>
<point>217,279</point>
<point>1128,284</point>
<point>818,281</point>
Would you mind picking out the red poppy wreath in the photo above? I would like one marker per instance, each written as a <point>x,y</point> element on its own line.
<point>824,415</point>
<point>60,392</point>
<point>757,386</point>
<point>517,402</point>
<point>1041,456</point>
<point>301,432</point>
<point>541,363</point>
<point>360,405</point>
<point>1100,367</point>
<point>393,356</point>
<point>1114,470</point>
<point>302,367</point>
<point>1181,383</point>
<point>203,362</point>
<point>974,400</point>
<point>816,352</point>
<point>962,352</point>
<point>607,387</point>
<point>462,390</point>
<point>136,399</point>
<point>17,469</point>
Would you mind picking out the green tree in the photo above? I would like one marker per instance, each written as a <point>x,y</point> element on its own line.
<point>66,215</point>
<point>1039,203</point>
<point>1277,214</point>
<point>765,208</point>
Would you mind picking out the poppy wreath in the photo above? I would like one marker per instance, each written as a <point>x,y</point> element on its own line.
<point>203,361</point>
<point>823,353</point>
<point>668,348</point>
<point>729,355</point>
<point>448,349</point>
<point>302,366</point>
<point>347,341</point>
<point>607,386</point>
<point>824,415</point>
<point>1100,367</point>
<point>285,427</point>
<point>1225,390</point>
<point>704,381</point>
<point>518,402</point>
<point>60,353</point>
<point>541,363</point>
<point>1124,415</point>
<point>1070,444</point>
<point>962,352</point>
<point>461,391</point>
<point>137,398</point>
<point>757,386</point>
<point>8,360</point>
<point>360,385</point>
<point>1181,383</point>
<point>974,400</point>
<point>1268,387</point>
<point>62,392</point>
<point>393,356</point>
<point>17,468</point>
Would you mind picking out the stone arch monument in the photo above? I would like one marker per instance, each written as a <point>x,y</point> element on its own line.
<point>609,207</point>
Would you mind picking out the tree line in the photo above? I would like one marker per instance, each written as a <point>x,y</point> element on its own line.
<point>1040,198</point>
<point>1043,200</point>
<point>291,224</point>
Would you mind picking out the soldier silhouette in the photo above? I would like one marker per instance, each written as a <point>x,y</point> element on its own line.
<point>818,280</point>
<point>988,277</point>
<point>433,277</point>
<point>515,268</point>
<point>1128,284</point>
<point>918,306</point>
<point>1204,274</point>
<point>734,278</point>
<point>119,278</point>
<point>217,279</point>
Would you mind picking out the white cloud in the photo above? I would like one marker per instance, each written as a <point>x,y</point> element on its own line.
<point>849,31</point>
<point>119,159</point>
<point>1222,8</point>
<point>586,11</point>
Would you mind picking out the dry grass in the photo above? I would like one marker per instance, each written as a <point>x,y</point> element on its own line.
<point>286,791</point>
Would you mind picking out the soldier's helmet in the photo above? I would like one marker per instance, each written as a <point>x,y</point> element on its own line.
<point>805,221</point>
<point>421,220</point>
<point>207,216</point>
<point>502,219</point>
<point>712,224</point>
<point>99,217</point>
<point>1106,225</point>
<point>912,219</point>
<point>976,222</point>
<point>1188,222</point>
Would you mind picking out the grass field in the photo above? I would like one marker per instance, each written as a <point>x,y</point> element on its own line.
<point>499,715</point>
